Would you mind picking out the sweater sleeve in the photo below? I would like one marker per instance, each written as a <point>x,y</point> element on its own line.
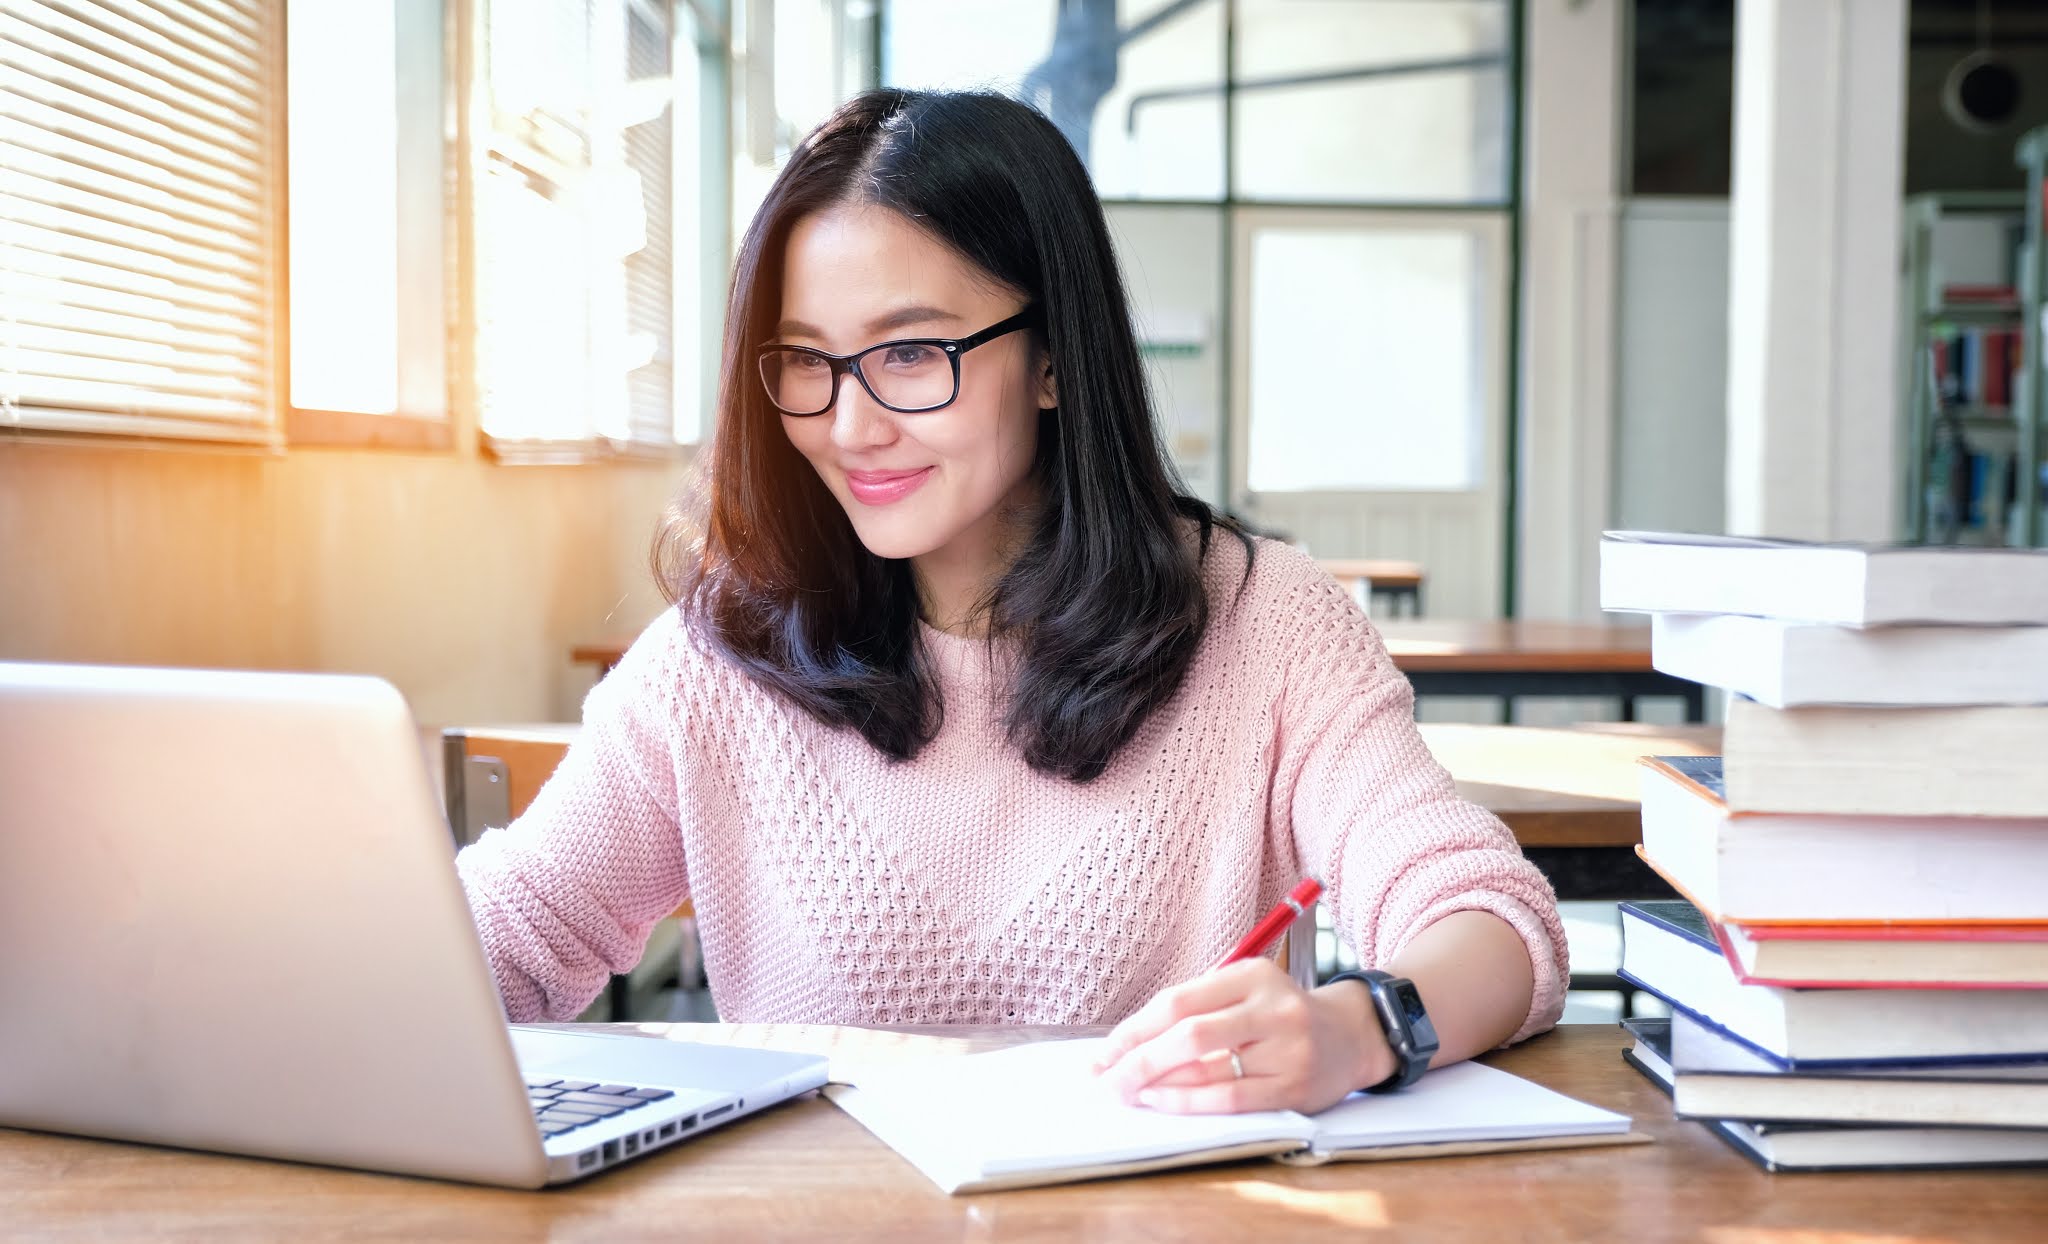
<point>1378,819</point>
<point>568,893</point>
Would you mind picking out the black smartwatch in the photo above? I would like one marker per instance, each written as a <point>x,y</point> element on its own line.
<point>1409,1033</point>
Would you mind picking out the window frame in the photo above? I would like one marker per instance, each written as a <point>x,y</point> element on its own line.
<point>425,416</point>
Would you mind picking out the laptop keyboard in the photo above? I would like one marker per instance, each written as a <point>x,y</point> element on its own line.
<point>564,1105</point>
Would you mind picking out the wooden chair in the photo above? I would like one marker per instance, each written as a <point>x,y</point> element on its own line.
<point>491,775</point>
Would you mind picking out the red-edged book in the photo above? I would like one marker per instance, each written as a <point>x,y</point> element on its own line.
<point>1888,956</point>
<point>1876,955</point>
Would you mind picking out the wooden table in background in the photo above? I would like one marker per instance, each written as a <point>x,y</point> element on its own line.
<point>1396,584</point>
<point>1570,794</point>
<point>805,1170</point>
<point>1446,657</point>
<point>1515,658</point>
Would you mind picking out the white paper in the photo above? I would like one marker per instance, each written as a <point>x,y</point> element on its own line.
<point>1465,1101</point>
<point>1035,1107</point>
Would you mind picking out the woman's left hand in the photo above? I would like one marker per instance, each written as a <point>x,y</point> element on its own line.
<point>1299,1049</point>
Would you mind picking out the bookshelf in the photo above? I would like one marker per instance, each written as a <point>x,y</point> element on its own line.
<point>1960,349</point>
<point>2030,524</point>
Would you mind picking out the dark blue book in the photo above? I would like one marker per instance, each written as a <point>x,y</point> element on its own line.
<point>1814,1147</point>
<point>1669,949</point>
<point>1706,770</point>
<point>1651,1053</point>
<point>1715,1076</point>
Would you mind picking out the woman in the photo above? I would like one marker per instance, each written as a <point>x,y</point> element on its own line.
<point>964,713</point>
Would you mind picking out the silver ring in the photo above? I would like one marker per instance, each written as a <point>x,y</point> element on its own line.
<point>1236,1065</point>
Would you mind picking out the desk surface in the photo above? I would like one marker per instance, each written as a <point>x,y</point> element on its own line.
<point>1572,786</point>
<point>1426,645</point>
<point>805,1170</point>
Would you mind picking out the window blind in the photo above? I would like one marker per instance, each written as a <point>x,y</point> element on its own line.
<point>138,191</point>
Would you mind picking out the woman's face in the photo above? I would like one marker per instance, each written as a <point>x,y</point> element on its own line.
<point>912,484</point>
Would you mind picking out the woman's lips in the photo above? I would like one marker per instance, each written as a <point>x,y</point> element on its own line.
<point>884,487</point>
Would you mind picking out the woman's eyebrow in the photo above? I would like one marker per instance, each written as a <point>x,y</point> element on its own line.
<point>902,317</point>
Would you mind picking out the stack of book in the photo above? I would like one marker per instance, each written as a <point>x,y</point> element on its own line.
<point>1858,967</point>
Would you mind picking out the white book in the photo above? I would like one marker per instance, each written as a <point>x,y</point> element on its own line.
<point>1819,1026</point>
<point>1717,1077</point>
<point>1034,1114</point>
<point>1987,761</point>
<point>1788,664</point>
<point>1846,584</point>
<point>1812,868</point>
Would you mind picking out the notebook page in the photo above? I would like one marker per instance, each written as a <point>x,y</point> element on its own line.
<point>1031,1108</point>
<point>1465,1101</point>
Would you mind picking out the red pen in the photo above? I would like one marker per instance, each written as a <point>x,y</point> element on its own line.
<point>1274,923</point>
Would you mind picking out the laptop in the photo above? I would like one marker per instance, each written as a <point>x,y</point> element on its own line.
<point>230,921</point>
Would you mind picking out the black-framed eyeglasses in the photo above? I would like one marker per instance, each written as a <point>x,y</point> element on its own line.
<point>909,377</point>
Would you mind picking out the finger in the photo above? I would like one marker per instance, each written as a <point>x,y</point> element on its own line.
<point>1188,1041</point>
<point>1224,1097</point>
<point>1205,1071</point>
<point>1211,991</point>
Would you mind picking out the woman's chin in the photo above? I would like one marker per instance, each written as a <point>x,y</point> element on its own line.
<point>894,540</point>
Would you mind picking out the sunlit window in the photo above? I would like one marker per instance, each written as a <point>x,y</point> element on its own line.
<point>343,121</point>
<point>577,232</point>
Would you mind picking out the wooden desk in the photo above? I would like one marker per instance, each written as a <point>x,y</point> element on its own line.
<point>1446,657</point>
<point>805,1170</point>
<point>1566,786</point>
<point>1516,658</point>
<point>1397,583</point>
<point>1570,794</point>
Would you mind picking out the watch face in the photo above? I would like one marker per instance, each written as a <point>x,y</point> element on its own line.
<point>1409,999</point>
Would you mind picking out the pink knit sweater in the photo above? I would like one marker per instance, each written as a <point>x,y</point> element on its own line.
<point>835,886</point>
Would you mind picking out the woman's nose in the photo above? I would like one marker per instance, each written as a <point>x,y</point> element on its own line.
<point>858,421</point>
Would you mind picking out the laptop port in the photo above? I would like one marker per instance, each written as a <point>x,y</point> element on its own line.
<point>667,1130</point>
<point>632,1145</point>
<point>716,1111</point>
<point>611,1151</point>
<point>687,1122</point>
<point>587,1161</point>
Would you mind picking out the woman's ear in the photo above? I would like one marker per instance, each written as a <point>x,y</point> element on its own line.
<point>1048,387</point>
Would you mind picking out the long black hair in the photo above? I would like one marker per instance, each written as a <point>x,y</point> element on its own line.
<point>1104,602</point>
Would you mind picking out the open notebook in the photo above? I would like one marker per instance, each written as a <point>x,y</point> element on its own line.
<point>1033,1114</point>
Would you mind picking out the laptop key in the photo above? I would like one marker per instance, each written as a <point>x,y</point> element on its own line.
<point>574,1086</point>
<point>557,1127</point>
<point>651,1094</point>
<point>541,1084</point>
<point>615,1090</point>
<point>543,1092</point>
<point>574,1118</point>
<point>591,1103</point>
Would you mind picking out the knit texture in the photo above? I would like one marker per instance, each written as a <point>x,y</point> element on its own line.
<point>833,885</point>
